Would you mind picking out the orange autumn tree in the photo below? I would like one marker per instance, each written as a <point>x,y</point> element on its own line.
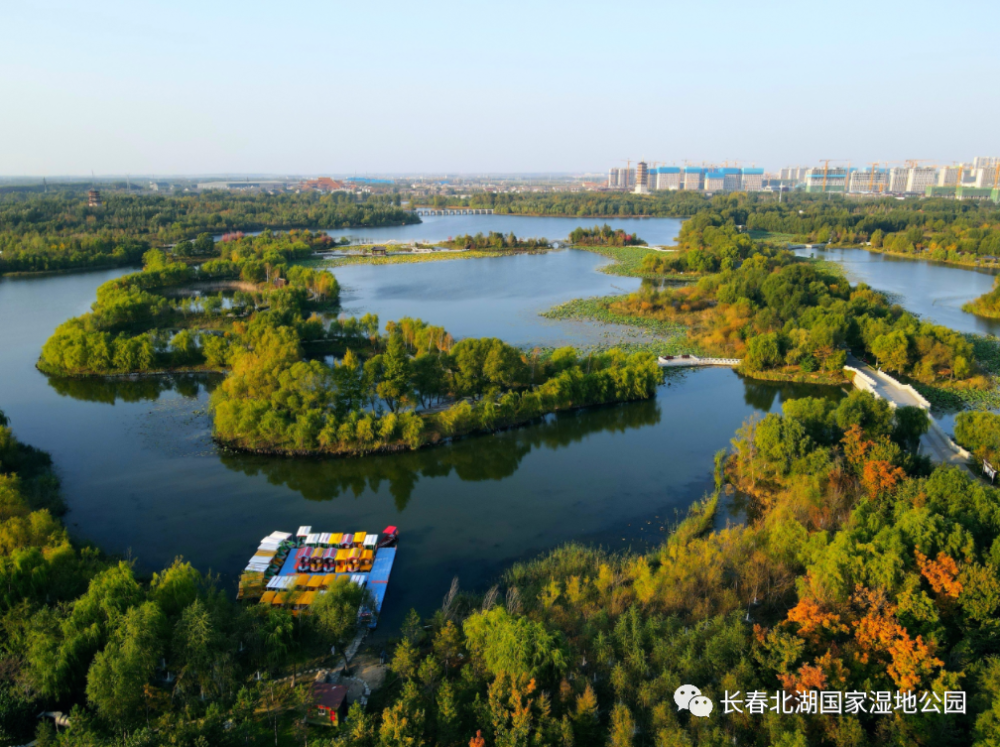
<point>941,574</point>
<point>856,446</point>
<point>879,636</point>
<point>812,620</point>
<point>880,477</point>
<point>813,623</point>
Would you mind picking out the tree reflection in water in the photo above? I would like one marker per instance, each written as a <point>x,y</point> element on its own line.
<point>132,389</point>
<point>472,459</point>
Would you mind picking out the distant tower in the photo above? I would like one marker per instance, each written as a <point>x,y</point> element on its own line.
<point>93,198</point>
<point>641,178</point>
<point>641,174</point>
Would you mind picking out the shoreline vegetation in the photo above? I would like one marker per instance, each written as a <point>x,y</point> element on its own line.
<point>964,233</point>
<point>786,318</point>
<point>60,231</point>
<point>858,568</point>
<point>411,387</point>
<point>987,305</point>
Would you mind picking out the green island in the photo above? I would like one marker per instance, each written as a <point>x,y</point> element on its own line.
<point>987,305</point>
<point>496,242</point>
<point>785,317</point>
<point>964,232</point>
<point>60,231</point>
<point>412,387</point>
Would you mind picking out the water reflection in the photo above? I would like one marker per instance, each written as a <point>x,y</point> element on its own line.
<point>133,389</point>
<point>761,395</point>
<point>474,459</point>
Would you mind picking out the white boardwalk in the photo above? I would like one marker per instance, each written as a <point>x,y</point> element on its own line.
<point>693,360</point>
<point>936,443</point>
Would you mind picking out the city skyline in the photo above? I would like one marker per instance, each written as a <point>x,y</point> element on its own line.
<point>223,88</point>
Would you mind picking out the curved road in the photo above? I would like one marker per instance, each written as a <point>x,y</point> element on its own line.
<point>935,443</point>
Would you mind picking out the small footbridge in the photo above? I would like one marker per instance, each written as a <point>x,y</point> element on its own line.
<point>937,444</point>
<point>454,211</point>
<point>673,361</point>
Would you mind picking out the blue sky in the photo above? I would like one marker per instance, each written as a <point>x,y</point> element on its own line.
<point>378,87</point>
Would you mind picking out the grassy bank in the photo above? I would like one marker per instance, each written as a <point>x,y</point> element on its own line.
<point>796,375</point>
<point>595,309</point>
<point>627,260</point>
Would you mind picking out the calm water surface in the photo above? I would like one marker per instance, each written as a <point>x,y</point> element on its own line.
<point>435,228</point>
<point>493,297</point>
<point>141,474</point>
<point>932,290</point>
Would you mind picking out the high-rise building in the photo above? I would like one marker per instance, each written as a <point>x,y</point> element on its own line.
<point>641,175</point>
<point>825,180</point>
<point>693,177</point>
<point>793,174</point>
<point>621,178</point>
<point>732,178</point>
<point>669,177</point>
<point>715,180</point>
<point>948,176</point>
<point>897,180</point>
<point>920,178</point>
<point>93,198</point>
<point>752,180</point>
<point>869,181</point>
<point>987,176</point>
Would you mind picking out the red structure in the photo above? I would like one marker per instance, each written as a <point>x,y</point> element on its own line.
<point>323,184</point>
<point>328,705</point>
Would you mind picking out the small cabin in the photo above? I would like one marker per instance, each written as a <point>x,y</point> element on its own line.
<point>328,704</point>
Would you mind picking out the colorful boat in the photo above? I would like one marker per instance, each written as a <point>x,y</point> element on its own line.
<point>293,571</point>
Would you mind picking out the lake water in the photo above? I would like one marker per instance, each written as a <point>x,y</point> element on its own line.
<point>491,297</point>
<point>931,289</point>
<point>434,228</point>
<point>142,476</point>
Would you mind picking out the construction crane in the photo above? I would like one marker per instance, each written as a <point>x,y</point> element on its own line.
<point>826,169</point>
<point>871,178</point>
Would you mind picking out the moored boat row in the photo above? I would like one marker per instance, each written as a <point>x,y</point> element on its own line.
<point>292,571</point>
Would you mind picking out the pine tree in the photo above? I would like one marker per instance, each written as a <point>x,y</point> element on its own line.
<point>585,718</point>
<point>448,717</point>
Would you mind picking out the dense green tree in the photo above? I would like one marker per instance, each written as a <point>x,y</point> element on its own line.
<point>121,671</point>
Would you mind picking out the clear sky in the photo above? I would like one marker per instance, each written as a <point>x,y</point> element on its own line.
<point>214,86</point>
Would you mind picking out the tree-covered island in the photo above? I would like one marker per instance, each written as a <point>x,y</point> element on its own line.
<point>604,236</point>
<point>731,296</point>
<point>409,387</point>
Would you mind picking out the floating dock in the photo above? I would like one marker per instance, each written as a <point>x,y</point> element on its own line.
<point>292,571</point>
